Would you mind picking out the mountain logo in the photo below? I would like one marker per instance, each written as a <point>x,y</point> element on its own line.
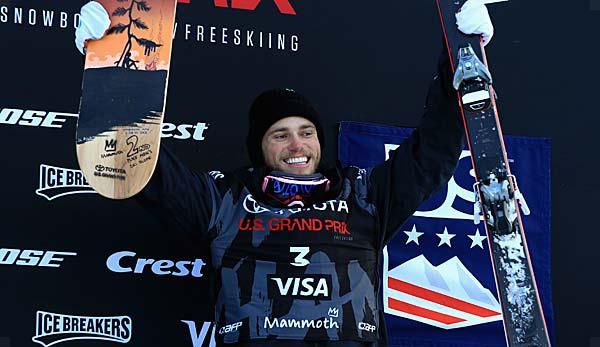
<point>446,296</point>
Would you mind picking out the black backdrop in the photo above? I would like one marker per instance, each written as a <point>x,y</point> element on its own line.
<point>367,61</point>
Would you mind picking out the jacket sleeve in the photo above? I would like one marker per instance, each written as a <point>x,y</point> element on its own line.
<point>423,162</point>
<point>179,197</point>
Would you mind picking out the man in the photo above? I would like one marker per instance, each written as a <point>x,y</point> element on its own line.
<point>296,246</point>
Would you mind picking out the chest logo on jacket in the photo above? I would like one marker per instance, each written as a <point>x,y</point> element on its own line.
<point>254,207</point>
<point>284,224</point>
<point>306,287</point>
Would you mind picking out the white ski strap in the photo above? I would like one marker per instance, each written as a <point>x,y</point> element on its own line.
<point>476,205</point>
<point>519,197</point>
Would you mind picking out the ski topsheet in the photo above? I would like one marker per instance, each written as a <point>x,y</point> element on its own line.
<point>123,96</point>
<point>496,191</point>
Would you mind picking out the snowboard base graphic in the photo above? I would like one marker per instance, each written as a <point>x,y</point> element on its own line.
<point>123,96</point>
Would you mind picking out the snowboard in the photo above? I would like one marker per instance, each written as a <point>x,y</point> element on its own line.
<point>123,96</point>
<point>496,192</point>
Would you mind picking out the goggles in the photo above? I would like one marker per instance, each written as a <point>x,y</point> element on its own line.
<point>295,190</point>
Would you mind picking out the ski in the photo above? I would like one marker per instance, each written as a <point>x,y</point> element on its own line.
<point>497,197</point>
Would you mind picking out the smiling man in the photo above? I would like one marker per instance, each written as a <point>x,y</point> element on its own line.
<point>296,246</point>
<point>292,145</point>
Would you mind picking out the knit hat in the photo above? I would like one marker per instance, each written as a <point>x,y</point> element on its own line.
<point>268,108</point>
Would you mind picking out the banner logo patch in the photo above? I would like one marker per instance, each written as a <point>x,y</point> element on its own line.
<point>54,328</point>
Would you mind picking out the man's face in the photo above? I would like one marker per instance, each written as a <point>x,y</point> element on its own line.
<point>291,145</point>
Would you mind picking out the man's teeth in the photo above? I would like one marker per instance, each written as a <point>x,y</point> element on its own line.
<point>296,160</point>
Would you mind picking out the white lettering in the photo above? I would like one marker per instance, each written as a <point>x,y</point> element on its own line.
<point>29,257</point>
<point>63,20</point>
<point>366,327</point>
<point>187,31</point>
<point>50,256</point>
<point>8,256</point>
<point>48,18</point>
<point>283,289</point>
<point>212,34</point>
<point>159,267</point>
<point>327,323</point>
<point>249,42</point>
<point>35,17</point>
<point>230,328</point>
<point>237,40</point>
<point>36,118</point>
<point>200,33</point>
<point>306,285</point>
<point>300,259</point>
<point>184,131</point>
<point>18,15</point>
<point>32,118</point>
<point>198,339</point>
<point>252,206</point>
<point>343,206</point>
<point>3,14</point>
<point>302,286</point>
<point>224,36</point>
<point>115,263</point>
<point>322,288</point>
<point>320,207</point>
<point>32,16</point>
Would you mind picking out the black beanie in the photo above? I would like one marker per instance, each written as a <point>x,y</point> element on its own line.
<point>268,108</point>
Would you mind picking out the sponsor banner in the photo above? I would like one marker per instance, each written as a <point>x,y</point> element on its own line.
<point>201,33</point>
<point>438,279</point>
<point>53,119</point>
<point>54,328</point>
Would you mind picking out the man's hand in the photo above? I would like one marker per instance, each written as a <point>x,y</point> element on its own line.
<point>93,23</point>
<point>473,18</point>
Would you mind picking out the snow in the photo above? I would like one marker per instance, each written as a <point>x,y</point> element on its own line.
<point>519,292</point>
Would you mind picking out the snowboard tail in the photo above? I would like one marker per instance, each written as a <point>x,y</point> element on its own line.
<point>496,190</point>
<point>123,96</point>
